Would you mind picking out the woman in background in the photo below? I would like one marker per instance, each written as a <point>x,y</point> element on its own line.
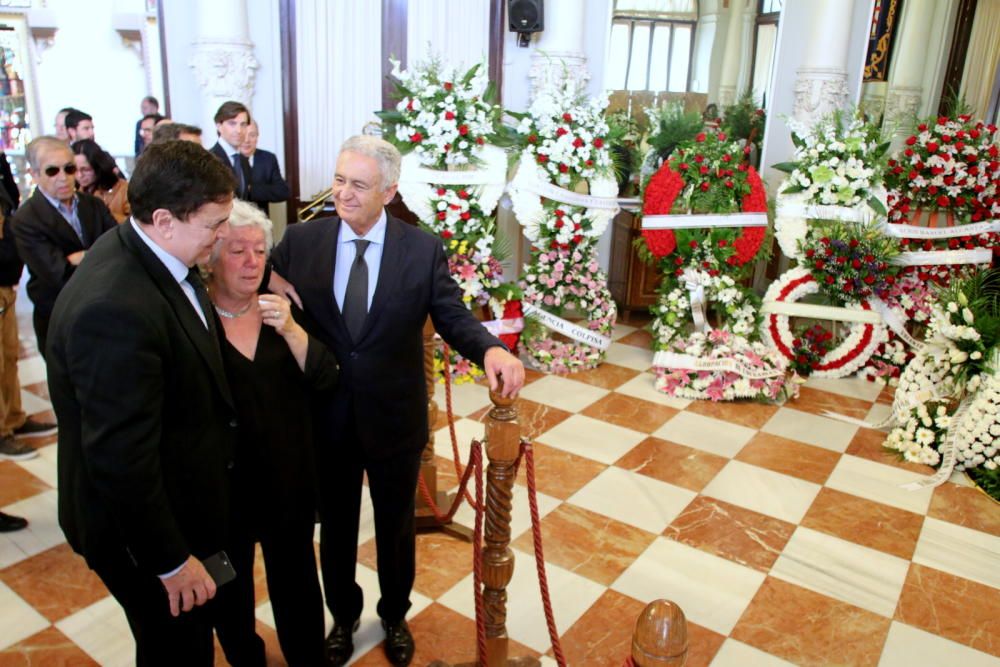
<point>97,174</point>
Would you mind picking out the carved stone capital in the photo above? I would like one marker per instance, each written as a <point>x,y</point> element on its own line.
<point>551,68</point>
<point>902,103</point>
<point>727,96</point>
<point>225,69</point>
<point>818,91</point>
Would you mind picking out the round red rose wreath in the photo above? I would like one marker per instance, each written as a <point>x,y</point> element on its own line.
<point>666,185</point>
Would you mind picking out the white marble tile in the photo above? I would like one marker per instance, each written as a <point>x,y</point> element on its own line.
<point>630,356</point>
<point>811,429</point>
<point>102,631</point>
<point>621,330</point>
<point>466,430</point>
<point>853,387</point>
<point>562,393</point>
<point>781,496</point>
<point>31,370</point>
<point>712,591</point>
<point>18,619</point>
<point>594,438</point>
<point>465,398</point>
<point>879,482</point>
<point>42,467</point>
<point>32,404</point>
<point>906,646</point>
<point>705,433</point>
<point>571,596</point>
<point>635,499</point>
<point>964,552</point>
<point>734,653</point>
<point>520,520</point>
<point>842,570</point>
<point>878,413</point>
<point>642,386</point>
<point>43,530</point>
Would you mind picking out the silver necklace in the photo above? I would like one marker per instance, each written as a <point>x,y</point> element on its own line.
<point>230,315</point>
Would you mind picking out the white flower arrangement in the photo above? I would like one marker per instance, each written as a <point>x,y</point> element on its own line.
<point>978,430</point>
<point>672,317</point>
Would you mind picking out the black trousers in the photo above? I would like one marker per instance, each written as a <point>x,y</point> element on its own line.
<point>41,325</point>
<point>392,484</point>
<point>162,640</point>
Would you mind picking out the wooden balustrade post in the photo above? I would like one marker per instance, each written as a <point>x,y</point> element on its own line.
<point>660,637</point>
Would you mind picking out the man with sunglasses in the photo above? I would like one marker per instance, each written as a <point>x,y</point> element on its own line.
<point>55,227</point>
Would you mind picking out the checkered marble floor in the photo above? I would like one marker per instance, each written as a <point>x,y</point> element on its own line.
<point>784,536</point>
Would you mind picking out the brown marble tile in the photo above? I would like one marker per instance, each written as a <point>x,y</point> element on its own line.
<point>887,395</point>
<point>39,389</point>
<point>272,650</point>
<point>815,401</point>
<point>56,582</point>
<point>630,412</point>
<point>813,464</point>
<point>865,522</point>
<point>606,376</point>
<point>732,532</point>
<point>868,444</point>
<point>952,607</point>
<point>16,483</point>
<point>807,628</point>
<point>534,418</point>
<point>441,634</point>
<point>48,648</point>
<point>259,577</point>
<point>676,464</point>
<point>559,473</point>
<point>966,506</point>
<point>587,543</point>
<point>745,413</point>
<point>639,338</point>
<point>442,560</point>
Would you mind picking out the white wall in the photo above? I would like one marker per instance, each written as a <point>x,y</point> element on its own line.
<point>89,68</point>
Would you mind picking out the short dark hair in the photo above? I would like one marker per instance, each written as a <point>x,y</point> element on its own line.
<point>179,176</point>
<point>100,161</point>
<point>65,110</point>
<point>231,109</point>
<point>75,117</point>
<point>173,131</point>
<point>155,116</point>
<point>152,100</point>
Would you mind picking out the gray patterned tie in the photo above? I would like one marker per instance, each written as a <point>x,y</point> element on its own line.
<point>356,296</point>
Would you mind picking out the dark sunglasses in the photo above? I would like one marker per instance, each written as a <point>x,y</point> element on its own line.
<point>69,169</point>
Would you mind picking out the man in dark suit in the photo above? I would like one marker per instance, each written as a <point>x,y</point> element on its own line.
<point>231,122</point>
<point>386,277</point>
<point>55,227</point>
<point>266,185</point>
<point>147,437</point>
<point>149,106</point>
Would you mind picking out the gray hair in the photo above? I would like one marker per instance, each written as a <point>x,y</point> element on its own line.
<point>246,215</point>
<point>385,154</point>
<point>39,144</point>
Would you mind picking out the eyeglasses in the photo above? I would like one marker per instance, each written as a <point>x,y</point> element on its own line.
<point>68,169</point>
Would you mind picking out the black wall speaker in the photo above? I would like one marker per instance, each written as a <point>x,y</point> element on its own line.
<point>526,16</point>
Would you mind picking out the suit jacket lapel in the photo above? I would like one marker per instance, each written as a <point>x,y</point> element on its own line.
<point>200,336</point>
<point>389,271</point>
<point>59,224</point>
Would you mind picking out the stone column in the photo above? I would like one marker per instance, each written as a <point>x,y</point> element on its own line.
<point>821,83</point>
<point>731,59</point>
<point>704,39</point>
<point>560,48</point>
<point>906,74</point>
<point>223,60</point>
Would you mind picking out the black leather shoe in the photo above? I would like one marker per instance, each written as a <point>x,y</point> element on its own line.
<point>398,643</point>
<point>10,523</point>
<point>340,643</point>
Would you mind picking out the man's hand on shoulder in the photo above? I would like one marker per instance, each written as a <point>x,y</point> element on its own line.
<point>280,286</point>
<point>188,587</point>
<point>500,362</point>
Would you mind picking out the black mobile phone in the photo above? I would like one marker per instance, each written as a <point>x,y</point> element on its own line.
<point>220,568</point>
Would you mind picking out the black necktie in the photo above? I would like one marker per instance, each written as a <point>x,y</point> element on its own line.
<point>238,168</point>
<point>207,309</point>
<point>356,296</point>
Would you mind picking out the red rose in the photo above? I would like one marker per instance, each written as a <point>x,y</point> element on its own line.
<point>699,158</point>
<point>416,137</point>
<point>932,147</point>
<point>568,118</point>
<point>723,243</point>
<point>683,166</point>
<point>943,201</point>
<point>869,279</point>
<point>820,263</point>
<point>946,138</point>
<point>442,215</point>
<point>721,136</point>
<point>560,131</point>
<point>542,158</point>
<point>563,168</point>
<point>922,127</point>
<point>578,143</point>
<point>729,184</point>
<point>577,238</point>
<point>856,263</point>
<point>911,140</point>
<point>559,224</point>
<point>704,186</point>
<point>446,234</point>
<point>480,141</point>
<point>700,138</point>
<point>441,192</point>
<point>462,194</point>
<point>598,143</point>
<point>678,260</point>
<point>810,252</point>
<point>727,157</point>
<point>559,213</point>
<point>959,145</point>
<point>854,243</point>
<point>829,280</point>
<point>825,240</point>
<point>960,201</point>
<point>908,153</point>
<point>449,115</point>
<point>463,130</point>
<point>589,163</point>
<point>692,244</point>
<point>532,138</point>
<point>841,260</point>
<point>704,169</point>
<point>448,85</point>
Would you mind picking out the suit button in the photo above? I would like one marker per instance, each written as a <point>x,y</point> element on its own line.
<point>230,465</point>
<point>233,423</point>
